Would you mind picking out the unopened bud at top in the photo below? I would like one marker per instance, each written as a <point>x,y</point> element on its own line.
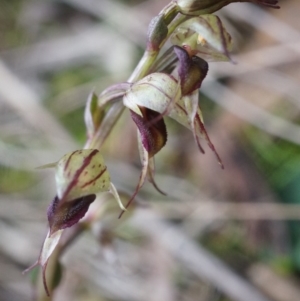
<point>157,32</point>
<point>197,7</point>
<point>200,7</point>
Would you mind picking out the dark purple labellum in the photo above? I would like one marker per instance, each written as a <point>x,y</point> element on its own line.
<point>65,215</point>
<point>191,70</point>
<point>152,129</point>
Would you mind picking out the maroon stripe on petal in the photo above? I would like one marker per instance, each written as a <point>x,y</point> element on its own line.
<point>85,163</point>
<point>181,108</point>
<point>95,179</point>
<point>68,161</point>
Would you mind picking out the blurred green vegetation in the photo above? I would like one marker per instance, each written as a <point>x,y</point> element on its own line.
<point>11,33</point>
<point>279,161</point>
<point>14,181</point>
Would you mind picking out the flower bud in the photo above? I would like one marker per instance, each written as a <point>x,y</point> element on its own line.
<point>157,32</point>
<point>201,7</point>
<point>197,7</point>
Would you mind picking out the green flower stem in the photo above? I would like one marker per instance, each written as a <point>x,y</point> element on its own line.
<point>143,66</point>
<point>148,59</point>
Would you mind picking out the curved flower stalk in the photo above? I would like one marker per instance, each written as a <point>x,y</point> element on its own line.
<point>79,176</point>
<point>160,86</point>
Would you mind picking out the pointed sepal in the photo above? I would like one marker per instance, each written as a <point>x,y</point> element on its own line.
<point>49,246</point>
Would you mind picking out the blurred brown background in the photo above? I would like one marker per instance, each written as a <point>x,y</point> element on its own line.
<point>219,235</point>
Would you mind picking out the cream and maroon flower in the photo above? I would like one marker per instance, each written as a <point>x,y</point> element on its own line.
<point>79,177</point>
<point>176,96</point>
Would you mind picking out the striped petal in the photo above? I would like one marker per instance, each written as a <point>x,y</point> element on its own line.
<point>81,173</point>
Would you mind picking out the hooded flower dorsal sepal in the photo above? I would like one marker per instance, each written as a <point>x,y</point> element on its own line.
<point>158,95</point>
<point>81,173</point>
<point>79,176</point>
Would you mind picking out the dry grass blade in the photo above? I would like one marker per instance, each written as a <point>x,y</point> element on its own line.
<point>256,116</point>
<point>197,259</point>
<point>18,95</point>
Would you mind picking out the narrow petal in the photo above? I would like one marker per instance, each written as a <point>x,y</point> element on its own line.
<point>191,107</point>
<point>49,165</point>
<point>182,114</point>
<point>202,130</point>
<point>143,174</point>
<point>49,246</point>
<point>114,192</point>
<point>151,172</point>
